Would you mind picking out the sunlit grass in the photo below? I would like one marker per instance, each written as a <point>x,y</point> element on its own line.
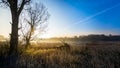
<point>79,56</point>
<point>32,51</point>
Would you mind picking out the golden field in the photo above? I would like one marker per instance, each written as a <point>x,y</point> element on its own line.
<point>66,55</point>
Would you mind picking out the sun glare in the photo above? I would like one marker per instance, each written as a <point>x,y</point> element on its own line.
<point>45,36</point>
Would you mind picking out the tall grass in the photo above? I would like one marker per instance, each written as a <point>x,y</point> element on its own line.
<point>88,56</point>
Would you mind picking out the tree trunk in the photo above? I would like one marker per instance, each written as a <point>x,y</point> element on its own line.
<point>13,51</point>
<point>14,35</point>
<point>14,28</point>
<point>27,43</point>
<point>28,38</point>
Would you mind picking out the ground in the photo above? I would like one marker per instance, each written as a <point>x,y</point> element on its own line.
<point>52,55</point>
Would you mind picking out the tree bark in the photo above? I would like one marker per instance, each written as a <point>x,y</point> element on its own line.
<point>14,28</point>
<point>14,36</point>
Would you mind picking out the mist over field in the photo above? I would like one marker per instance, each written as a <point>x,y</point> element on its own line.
<point>59,34</point>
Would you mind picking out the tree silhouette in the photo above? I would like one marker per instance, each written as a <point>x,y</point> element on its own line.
<point>16,7</point>
<point>34,22</point>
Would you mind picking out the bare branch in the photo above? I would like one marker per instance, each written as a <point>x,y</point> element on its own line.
<point>4,3</point>
<point>22,5</point>
<point>37,15</point>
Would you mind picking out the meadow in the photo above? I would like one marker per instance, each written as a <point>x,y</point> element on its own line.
<point>65,55</point>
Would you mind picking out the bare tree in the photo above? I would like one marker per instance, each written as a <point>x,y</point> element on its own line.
<point>35,20</point>
<point>16,7</point>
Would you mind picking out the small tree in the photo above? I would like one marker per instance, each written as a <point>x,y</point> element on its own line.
<point>35,17</point>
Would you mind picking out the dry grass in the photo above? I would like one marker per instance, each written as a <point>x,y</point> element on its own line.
<point>88,56</point>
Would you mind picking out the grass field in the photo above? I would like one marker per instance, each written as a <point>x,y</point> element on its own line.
<point>59,55</point>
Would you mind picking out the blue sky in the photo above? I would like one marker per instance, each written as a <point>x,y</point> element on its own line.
<point>82,17</point>
<point>77,17</point>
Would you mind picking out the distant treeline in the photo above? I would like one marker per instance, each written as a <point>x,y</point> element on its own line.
<point>91,38</point>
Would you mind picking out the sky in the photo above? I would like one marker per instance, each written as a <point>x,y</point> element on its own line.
<point>75,17</point>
